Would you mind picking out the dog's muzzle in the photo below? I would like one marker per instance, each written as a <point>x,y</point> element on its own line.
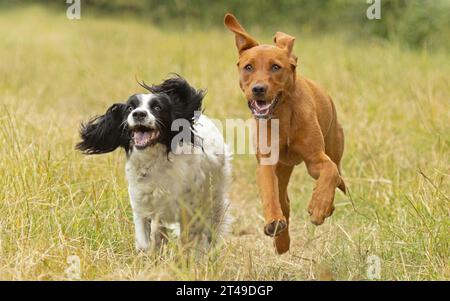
<point>262,109</point>
<point>144,136</point>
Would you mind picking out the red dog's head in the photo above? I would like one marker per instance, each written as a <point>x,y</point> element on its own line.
<point>266,71</point>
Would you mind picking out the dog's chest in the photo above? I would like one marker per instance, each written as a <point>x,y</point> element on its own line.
<point>288,138</point>
<point>157,184</point>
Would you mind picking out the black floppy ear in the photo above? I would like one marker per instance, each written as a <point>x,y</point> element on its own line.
<point>105,133</point>
<point>185,100</point>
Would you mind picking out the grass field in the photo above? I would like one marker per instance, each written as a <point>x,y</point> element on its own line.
<point>54,203</point>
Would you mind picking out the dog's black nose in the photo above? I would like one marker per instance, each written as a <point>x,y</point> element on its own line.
<point>259,89</point>
<point>139,115</point>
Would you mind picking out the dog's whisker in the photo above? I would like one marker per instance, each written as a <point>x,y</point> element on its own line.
<point>160,124</point>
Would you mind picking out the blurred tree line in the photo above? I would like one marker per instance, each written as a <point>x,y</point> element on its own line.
<point>417,23</point>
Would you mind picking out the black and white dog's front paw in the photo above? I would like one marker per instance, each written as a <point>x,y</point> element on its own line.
<point>156,241</point>
<point>142,248</point>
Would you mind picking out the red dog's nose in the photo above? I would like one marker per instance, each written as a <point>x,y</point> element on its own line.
<point>259,89</point>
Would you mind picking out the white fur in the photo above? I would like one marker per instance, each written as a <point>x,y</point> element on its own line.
<point>143,106</point>
<point>163,188</point>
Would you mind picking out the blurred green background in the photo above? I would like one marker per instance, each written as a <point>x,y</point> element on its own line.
<point>413,23</point>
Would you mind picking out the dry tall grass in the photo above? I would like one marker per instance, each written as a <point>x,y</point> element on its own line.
<point>54,203</point>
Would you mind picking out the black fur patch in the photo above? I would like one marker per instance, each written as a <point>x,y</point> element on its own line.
<point>105,133</point>
<point>184,102</point>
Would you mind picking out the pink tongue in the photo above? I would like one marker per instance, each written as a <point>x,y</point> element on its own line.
<point>261,109</point>
<point>141,138</point>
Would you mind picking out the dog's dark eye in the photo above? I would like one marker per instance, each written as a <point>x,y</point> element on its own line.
<point>276,67</point>
<point>248,67</point>
<point>157,108</point>
<point>129,109</point>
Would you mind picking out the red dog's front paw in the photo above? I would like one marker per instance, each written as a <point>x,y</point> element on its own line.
<point>275,228</point>
<point>319,210</point>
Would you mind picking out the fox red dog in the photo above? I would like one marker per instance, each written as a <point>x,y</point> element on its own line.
<point>308,129</point>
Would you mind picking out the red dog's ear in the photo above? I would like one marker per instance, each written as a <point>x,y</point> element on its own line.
<point>284,41</point>
<point>243,40</point>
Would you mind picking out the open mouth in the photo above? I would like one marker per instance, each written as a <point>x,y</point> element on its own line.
<point>262,109</point>
<point>144,136</point>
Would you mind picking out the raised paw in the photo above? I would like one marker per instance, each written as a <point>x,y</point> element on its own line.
<point>275,228</point>
<point>319,211</point>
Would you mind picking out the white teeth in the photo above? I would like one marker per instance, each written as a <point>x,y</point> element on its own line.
<point>258,106</point>
<point>261,108</point>
<point>264,109</point>
<point>153,135</point>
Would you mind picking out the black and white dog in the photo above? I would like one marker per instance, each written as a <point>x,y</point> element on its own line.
<point>171,181</point>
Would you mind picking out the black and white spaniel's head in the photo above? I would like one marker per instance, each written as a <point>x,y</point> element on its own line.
<point>144,120</point>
